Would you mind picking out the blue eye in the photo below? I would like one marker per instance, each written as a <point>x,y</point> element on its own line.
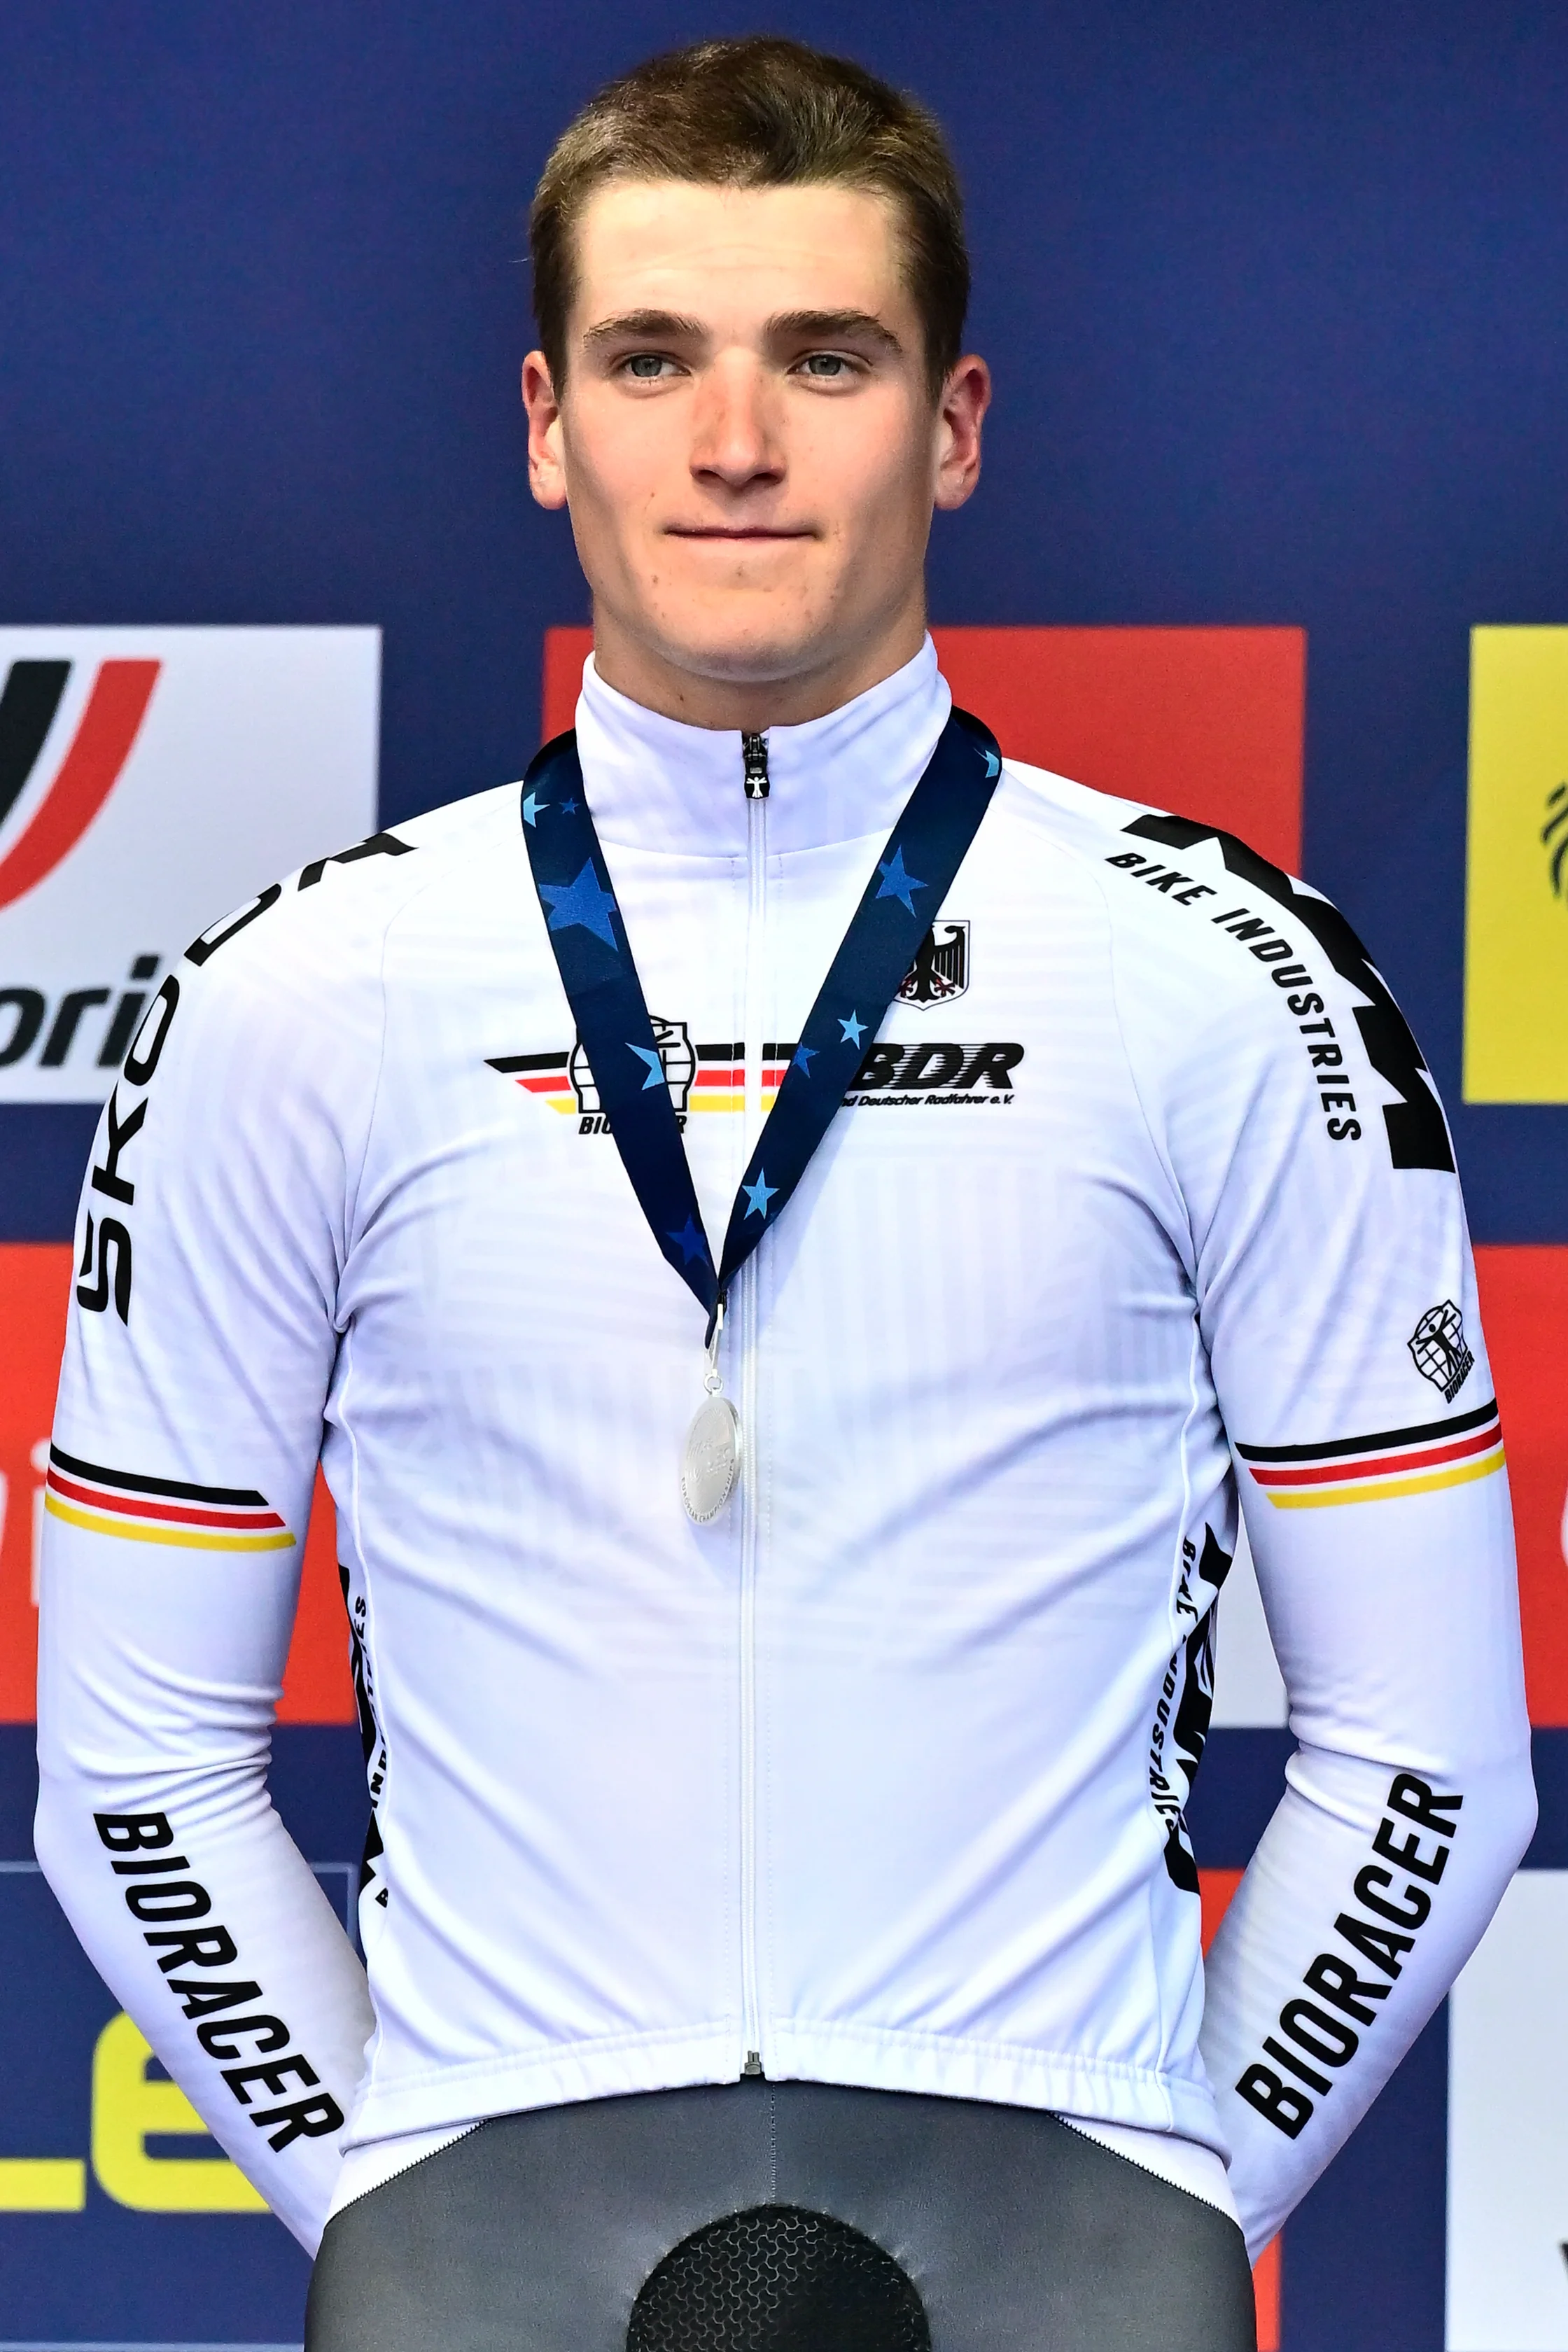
<point>826,366</point>
<point>646,365</point>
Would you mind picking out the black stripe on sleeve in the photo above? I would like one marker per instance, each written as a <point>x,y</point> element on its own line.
<point>171,1487</point>
<point>1343,1445</point>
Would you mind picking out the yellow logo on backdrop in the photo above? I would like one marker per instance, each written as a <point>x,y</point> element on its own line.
<point>128,2107</point>
<point>1516,916</point>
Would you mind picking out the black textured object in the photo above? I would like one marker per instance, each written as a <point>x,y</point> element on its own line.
<point>777,2278</point>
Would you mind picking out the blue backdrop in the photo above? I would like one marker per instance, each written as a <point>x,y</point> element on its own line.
<point>1277,298</point>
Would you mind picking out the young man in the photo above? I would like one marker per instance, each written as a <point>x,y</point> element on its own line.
<point>780,1540</point>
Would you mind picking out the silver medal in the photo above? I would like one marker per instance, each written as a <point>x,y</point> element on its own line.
<point>711,1461</point>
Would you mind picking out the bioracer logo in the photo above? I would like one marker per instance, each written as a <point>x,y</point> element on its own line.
<point>150,779</point>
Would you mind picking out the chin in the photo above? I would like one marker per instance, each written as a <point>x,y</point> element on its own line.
<point>750,663</point>
<point>732,645</point>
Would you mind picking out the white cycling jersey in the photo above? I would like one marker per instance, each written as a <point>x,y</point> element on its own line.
<point>878,1779</point>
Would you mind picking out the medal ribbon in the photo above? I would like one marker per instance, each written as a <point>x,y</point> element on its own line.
<point>593,956</point>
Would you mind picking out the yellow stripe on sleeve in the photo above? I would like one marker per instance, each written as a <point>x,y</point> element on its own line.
<point>1385,1490</point>
<point>140,1531</point>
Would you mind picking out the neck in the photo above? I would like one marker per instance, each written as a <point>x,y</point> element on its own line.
<point>648,675</point>
<point>657,782</point>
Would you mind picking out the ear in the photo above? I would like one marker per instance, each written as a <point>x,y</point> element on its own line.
<point>966,397</point>
<point>546,468</point>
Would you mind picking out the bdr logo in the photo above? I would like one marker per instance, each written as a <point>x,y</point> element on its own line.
<point>149,780</point>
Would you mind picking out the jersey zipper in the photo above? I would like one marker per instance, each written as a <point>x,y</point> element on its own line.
<point>754,765</point>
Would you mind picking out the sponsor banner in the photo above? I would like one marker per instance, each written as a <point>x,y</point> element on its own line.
<point>1507,2096</point>
<point>1205,722</point>
<point>1524,1313</point>
<point>150,779</point>
<point>1516,919</point>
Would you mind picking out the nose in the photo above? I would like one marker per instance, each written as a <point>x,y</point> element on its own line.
<point>735,441</point>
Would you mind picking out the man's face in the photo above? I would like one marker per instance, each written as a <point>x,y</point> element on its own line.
<point>746,438</point>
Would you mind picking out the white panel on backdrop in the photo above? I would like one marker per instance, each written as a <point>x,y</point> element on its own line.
<point>1508,2129</point>
<point>150,779</point>
<point>1247,1690</point>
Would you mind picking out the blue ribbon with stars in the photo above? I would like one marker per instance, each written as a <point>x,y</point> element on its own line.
<point>593,956</point>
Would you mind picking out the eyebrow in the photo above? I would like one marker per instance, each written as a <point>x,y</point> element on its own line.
<point>651,326</point>
<point>786,326</point>
<point>833,327</point>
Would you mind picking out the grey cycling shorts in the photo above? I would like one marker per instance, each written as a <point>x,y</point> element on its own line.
<point>779,2217</point>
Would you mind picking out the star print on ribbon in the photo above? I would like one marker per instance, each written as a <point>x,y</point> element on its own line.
<point>923,854</point>
<point>581,904</point>
<point>691,1244</point>
<point>896,882</point>
<point>758,1195</point>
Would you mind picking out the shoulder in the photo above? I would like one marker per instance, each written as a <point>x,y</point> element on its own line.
<point>1191,894</point>
<point>329,919</point>
<point>340,904</point>
<point>1225,955</point>
<point>294,975</point>
<point>1075,810</point>
<point>1164,883</point>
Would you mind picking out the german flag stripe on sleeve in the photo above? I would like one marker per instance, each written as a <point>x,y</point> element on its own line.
<point>160,1510</point>
<point>1381,1467</point>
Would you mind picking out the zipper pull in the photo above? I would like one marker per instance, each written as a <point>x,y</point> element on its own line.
<point>755,761</point>
<point>753,2065</point>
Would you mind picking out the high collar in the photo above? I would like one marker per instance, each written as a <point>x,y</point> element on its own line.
<point>655,783</point>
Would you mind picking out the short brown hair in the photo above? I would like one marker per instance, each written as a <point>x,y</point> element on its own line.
<point>761,113</point>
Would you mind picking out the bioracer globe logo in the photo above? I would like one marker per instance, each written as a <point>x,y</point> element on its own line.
<point>149,780</point>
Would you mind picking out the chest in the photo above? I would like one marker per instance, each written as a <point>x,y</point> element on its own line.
<point>986,1195</point>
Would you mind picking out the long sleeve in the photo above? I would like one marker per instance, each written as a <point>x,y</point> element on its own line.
<point>199,1357</point>
<point>1337,1303</point>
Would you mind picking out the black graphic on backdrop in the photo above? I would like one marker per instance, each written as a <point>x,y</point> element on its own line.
<point>28,707</point>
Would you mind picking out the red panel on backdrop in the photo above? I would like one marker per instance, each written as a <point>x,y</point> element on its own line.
<point>1207,722</point>
<point>317,1687</point>
<point>1216,1888</point>
<point>34,1289</point>
<point>34,1279</point>
<point>1524,1307</point>
<point>565,651</point>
